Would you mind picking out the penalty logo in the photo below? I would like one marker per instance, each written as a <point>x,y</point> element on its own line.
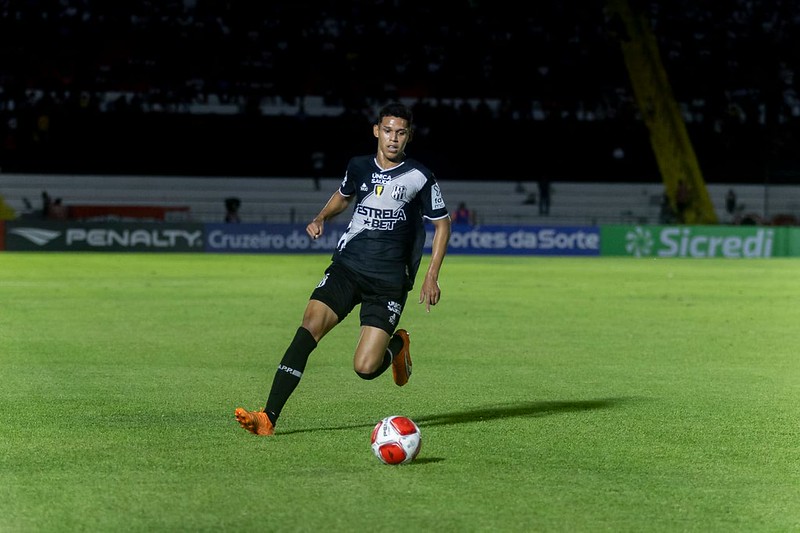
<point>36,235</point>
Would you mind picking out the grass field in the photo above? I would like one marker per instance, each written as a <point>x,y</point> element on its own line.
<point>553,394</point>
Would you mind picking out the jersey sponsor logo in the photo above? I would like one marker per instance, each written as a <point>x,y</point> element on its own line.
<point>437,202</point>
<point>376,218</point>
<point>380,178</point>
<point>364,187</point>
<point>399,192</point>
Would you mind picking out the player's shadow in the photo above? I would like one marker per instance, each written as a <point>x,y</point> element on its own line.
<point>518,410</point>
<point>524,410</point>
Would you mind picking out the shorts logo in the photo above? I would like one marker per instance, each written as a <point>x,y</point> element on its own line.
<point>322,282</point>
<point>396,309</point>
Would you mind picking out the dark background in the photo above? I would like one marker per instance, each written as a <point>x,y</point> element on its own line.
<point>114,87</point>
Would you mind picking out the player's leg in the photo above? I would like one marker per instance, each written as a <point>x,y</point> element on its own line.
<point>318,320</point>
<point>330,302</point>
<point>372,358</point>
<point>379,345</point>
<point>377,351</point>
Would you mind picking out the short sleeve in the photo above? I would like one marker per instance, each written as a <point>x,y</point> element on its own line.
<point>433,205</point>
<point>348,187</point>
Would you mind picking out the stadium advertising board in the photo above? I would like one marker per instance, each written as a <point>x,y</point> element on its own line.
<point>523,240</point>
<point>613,240</point>
<point>292,238</point>
<point>700,241</point>
<point>104,237</point>
<point>792,242</point>
<point>269,238</point>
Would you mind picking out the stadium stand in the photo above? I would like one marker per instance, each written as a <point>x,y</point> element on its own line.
<point>282,200</point>
<point>231,89</point>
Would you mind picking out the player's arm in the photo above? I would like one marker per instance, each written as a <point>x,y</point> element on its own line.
<point>430,292</point>
<point>337,203</point>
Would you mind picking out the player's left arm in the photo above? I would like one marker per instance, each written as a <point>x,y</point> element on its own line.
<point>430,292</point>
<point>337,203</point>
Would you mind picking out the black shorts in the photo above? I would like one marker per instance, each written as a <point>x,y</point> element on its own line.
<point>382,303</point>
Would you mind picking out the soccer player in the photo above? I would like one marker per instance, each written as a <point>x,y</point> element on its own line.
<point>375,264</point>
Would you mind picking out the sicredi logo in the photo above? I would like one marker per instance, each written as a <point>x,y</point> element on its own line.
<point>697,242</point>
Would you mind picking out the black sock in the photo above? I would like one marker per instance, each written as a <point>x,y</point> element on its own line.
<point>290,370</point>
<point>395,344</point>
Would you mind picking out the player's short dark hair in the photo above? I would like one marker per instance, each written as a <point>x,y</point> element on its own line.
<point>396,109</point>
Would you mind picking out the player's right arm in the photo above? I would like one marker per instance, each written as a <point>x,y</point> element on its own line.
<point>337,203</point>
<point>431,293</point>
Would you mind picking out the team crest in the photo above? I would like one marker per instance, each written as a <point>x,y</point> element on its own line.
<point>378,190</point>
<point>399,192</point>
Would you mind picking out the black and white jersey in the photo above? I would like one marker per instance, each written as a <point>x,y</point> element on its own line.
<point>386,235</point>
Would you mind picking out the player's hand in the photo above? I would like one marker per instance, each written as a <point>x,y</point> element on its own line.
<point>315,229</point>
<point>430,293</point>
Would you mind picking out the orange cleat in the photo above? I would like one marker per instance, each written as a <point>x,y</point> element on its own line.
<point>401,363</point>
<point>256,422</point>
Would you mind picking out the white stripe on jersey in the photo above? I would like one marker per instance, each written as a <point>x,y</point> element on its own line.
<point>383,208</point>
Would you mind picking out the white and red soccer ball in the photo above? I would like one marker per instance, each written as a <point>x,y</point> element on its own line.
<point>396,440</point>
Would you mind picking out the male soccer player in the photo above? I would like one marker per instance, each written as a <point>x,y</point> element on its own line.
<point>375,264</point>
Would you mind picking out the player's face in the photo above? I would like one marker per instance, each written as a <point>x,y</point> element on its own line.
<point>393,134</point>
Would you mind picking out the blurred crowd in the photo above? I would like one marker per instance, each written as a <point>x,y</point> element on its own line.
<point>507,67</point>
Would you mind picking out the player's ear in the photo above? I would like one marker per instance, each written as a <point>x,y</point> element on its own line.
<point>376,130</point>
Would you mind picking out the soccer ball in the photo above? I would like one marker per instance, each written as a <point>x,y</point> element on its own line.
<point>396,440</point>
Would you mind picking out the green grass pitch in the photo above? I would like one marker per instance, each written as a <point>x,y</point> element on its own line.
<point>553,394</point>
